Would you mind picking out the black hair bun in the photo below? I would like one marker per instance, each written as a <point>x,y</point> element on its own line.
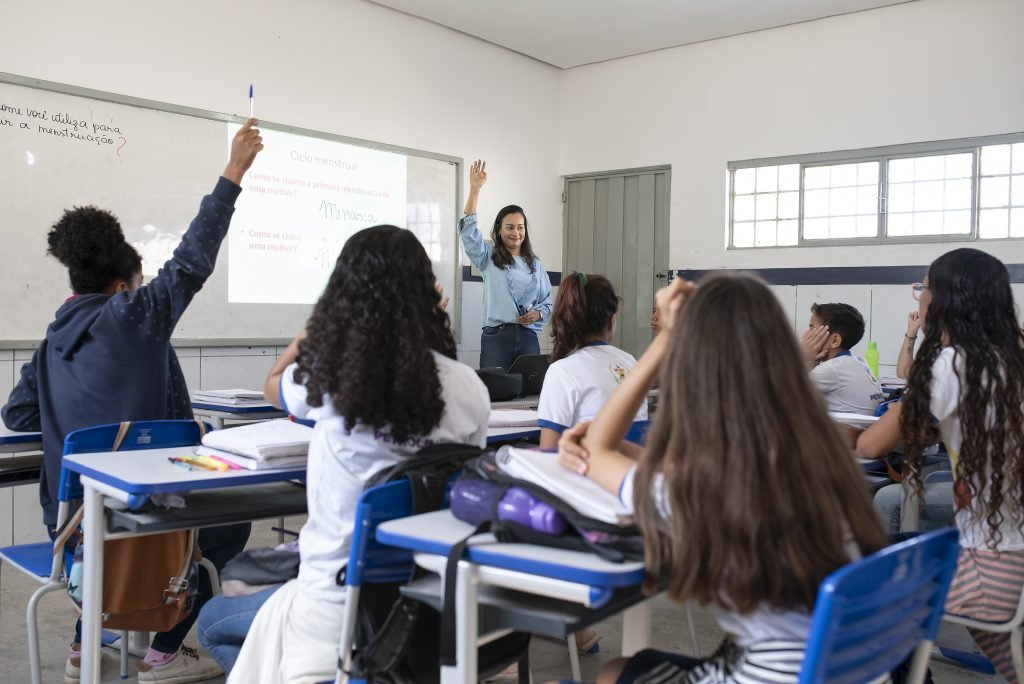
<point>85,237</point>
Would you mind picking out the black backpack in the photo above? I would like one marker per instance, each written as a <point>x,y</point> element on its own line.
<point>397,639</point>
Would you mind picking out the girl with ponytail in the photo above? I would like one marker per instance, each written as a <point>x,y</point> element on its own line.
<point>585,366</point>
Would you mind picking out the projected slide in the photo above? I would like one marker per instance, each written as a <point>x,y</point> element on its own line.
<point>301,200</point>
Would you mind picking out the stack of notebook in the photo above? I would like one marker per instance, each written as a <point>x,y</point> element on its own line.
<point>512,418</point>
<point>230,397</point>
<point>259,446</point>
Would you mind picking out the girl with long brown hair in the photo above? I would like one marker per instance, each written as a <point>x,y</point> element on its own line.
<point>745,493</point>
<point>969,376</point>
<point>585,366</point>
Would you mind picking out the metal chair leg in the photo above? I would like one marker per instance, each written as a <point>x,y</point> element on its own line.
<point>574,658</point>
<point>693,632</point>
<point>124,654</point>
<point>31,620</point>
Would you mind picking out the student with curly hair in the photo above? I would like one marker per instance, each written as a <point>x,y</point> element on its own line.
<point>969,376</point>
<point>375,368</point>
<point>517,290</point>
<point>107,357</point>
<point>585,366</point>
<point>721,489</point>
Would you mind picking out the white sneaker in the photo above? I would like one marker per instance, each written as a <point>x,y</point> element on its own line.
<point>187,666</point>
<point>73,668</point>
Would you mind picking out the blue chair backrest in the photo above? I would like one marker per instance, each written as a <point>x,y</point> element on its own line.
<point>638,431</point>
<point>369,560</point>
<point>144,434</point>
<point>871,614</point>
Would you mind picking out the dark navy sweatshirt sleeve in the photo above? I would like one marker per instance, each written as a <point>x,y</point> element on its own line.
<point>21,412</point>
<point>156,307</point>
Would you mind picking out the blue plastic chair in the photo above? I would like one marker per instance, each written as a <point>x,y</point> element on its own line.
<point>369,561</point>
<point>871,614</point>
<point>638,431</point>
<point>38,560</point>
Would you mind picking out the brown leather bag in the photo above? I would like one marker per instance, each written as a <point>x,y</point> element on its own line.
<point>150,582</point>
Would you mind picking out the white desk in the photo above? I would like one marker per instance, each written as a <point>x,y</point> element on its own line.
<point>544,571</point>
<point>11,441</point>
<point>219,413</point>
<point>508,434</point>
<point>126,479</point>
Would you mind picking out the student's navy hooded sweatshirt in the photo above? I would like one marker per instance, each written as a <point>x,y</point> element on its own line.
<point>108,358</point>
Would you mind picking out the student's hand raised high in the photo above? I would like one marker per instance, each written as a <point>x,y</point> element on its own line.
<point>571,454</point>
<point>246,144</point>
<point>477,174</point>
<point>669,301</point>
<point>813,342</point>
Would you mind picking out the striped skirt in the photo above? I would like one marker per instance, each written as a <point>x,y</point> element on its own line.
<point>765,662</point>
<point>987,586</point>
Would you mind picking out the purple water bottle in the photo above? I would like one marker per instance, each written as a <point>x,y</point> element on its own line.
<point>473,501</point>
<point>520,507</point>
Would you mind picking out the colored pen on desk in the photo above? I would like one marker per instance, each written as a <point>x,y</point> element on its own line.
<point>194,462</point>
<point>211,463</point>
<point>229,465</point>
<point>180,463</point>
<point>251,110</point>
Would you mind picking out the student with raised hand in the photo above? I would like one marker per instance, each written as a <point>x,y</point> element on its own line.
<point>720,491</point>
<point>969,377</point>
<point>107,357</point>
<point>906,356</point>
<point>376,369</point>
<point>585,366</point>
<point>845,381</point>
<point>517,290</point>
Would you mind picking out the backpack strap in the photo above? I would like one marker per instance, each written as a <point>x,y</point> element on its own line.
<point>122,432</point>
<point>451,574</point>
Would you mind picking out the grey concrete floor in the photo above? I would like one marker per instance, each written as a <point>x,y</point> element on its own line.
<point>549,659</point>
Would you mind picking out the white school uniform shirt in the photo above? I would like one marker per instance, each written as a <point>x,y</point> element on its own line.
<point>341,462</point>
<point>945,404</point>
<point>576,387</point>
<point>848,385</point>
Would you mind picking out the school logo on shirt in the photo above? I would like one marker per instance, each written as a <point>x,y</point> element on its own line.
<point>618,372</point>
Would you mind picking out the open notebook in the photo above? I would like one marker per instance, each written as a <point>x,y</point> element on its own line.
<point>542,469</point>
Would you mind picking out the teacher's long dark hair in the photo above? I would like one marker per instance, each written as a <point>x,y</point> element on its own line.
<point>369,339</point>
<point>500,255</point>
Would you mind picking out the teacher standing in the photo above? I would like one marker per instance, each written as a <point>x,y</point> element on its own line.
<point>517,291</point>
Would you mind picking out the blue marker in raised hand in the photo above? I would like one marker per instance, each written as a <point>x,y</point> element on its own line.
<point>250,101</point>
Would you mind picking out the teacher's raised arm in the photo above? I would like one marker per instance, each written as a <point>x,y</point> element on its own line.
<point>517,291</point>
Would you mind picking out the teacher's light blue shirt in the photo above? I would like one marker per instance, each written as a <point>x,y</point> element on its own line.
<point>505,288</point>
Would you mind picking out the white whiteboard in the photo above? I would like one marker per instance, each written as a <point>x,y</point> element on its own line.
<point>150,164</point>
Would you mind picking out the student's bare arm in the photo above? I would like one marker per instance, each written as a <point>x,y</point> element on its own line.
<point>272,385</point>
<point>882,437</point>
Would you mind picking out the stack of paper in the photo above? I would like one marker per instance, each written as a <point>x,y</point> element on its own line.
<point>230,397</point>
<point>892,381</point>
<point>542,469</point>
<point>512,418</point>
<point>270,444</point>
<point>854,419</point>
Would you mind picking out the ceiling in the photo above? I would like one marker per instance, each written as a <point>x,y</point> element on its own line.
<point>568,33</point>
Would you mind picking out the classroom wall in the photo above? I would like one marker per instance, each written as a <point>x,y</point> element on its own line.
<point>925,70</point>
<point>342,66</point>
